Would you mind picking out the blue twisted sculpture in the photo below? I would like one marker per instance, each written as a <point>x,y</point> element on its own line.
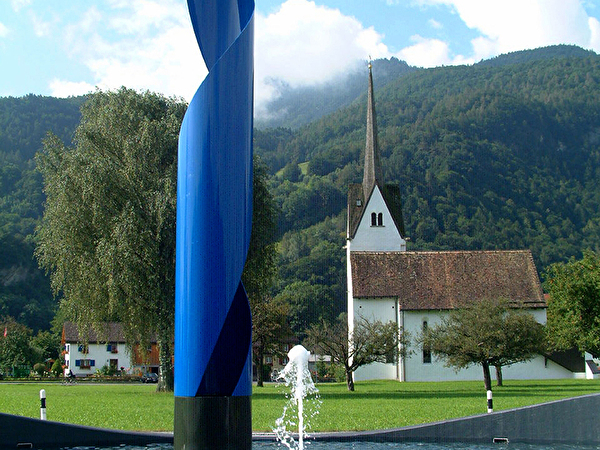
<point>213,329</point>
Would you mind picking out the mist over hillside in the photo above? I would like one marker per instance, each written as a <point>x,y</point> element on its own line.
<point>295,107</point>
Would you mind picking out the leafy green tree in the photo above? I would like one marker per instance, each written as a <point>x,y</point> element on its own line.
<point>269,327</point>
<point>46,346</point>
<point>487,333</point>
<point>107,236</point>
<point>260,268</point>
<point>291,172</point>
<point>269,316</point>
<point>14,346</point>
<point>309,305</point>
<point>574,304</point>
<point>368,343</point>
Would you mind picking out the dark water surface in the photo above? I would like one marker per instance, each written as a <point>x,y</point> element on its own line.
<point>315,445</point>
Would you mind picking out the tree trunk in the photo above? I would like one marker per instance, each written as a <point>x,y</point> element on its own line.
<point>498,375</point>
<point>349,380</point>
<point>260,367</point>
<point>487,379</point>
<point>165,371</point>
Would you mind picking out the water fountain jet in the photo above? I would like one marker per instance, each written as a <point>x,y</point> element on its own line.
<point>296,376</point>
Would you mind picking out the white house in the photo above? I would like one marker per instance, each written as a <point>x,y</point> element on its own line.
<point>86,354</point>
<point>416,289</point>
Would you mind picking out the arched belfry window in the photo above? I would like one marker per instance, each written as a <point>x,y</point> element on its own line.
<point>376,219</point>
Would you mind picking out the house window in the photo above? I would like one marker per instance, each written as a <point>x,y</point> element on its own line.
<point>67,348</point>
<point>380,219</point>
<point>268,360</point>
<point>358,202</point>
<point>85,363</point>
<point>83,348</point>
<point>426,350</point>
<point>112,348</point>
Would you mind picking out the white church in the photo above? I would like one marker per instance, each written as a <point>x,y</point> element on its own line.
<point>416,289</point>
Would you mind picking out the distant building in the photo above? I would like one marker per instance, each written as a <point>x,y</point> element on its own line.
<point>86,354</point>
<point>417,289</point>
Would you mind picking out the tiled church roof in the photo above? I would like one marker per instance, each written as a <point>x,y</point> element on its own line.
<point>356,207</point>
<point>445,280</point>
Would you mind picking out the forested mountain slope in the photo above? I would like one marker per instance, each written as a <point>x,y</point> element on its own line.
<point>492,156</point>
<point>486,157</point>
<point>24,289</point>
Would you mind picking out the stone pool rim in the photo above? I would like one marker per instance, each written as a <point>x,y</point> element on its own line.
<point>566,421</point>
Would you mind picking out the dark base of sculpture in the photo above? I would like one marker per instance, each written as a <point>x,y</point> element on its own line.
<point>203,423</point>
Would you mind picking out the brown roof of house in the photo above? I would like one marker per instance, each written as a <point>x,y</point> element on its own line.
<point>445,280</point>
<point>110,332</point>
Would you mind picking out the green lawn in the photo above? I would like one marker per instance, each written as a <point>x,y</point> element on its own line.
<point>374,405</point>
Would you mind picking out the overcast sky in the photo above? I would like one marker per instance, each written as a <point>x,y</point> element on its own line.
<point>62,48</point>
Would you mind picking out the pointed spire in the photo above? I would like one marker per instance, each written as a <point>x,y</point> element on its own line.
<point>372,169</point>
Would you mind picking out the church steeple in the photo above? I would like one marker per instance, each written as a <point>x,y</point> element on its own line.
<point>372,169</point>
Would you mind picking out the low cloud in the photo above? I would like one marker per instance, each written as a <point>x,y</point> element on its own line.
<point>62,88</point>
<point>150,44</point>
<point>3,30</point>
<point>303,43</point>
<point>147,44</point>
<point>41,28</point>
<point>17,5</point>
<point>511,25</point>
<point>142,44</point>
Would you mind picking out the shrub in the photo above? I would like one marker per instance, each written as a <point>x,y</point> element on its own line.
<point>39,369</point>
<point>56,368</point>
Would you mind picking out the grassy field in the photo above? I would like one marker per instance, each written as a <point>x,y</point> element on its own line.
<point>374,405</point>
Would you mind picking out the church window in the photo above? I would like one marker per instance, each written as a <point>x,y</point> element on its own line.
<point>426,350</point>
<point>376,219</point>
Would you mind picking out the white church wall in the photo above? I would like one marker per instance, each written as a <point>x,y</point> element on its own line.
<point>418,370</point>
<point>414,367</point>
<point>384,310</point>
<point>349,289</point>
<point>385,238</point>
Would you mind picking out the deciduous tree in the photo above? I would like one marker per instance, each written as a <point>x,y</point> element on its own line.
<point>573,305</point>
<point>108,232</point>
<point>369,342</point>
<point>487,333</point>
<point>14,345</point>
<point>269,316</point>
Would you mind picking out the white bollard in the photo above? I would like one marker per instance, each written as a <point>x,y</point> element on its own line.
<point>43,404</point>
<point>489,402</point>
